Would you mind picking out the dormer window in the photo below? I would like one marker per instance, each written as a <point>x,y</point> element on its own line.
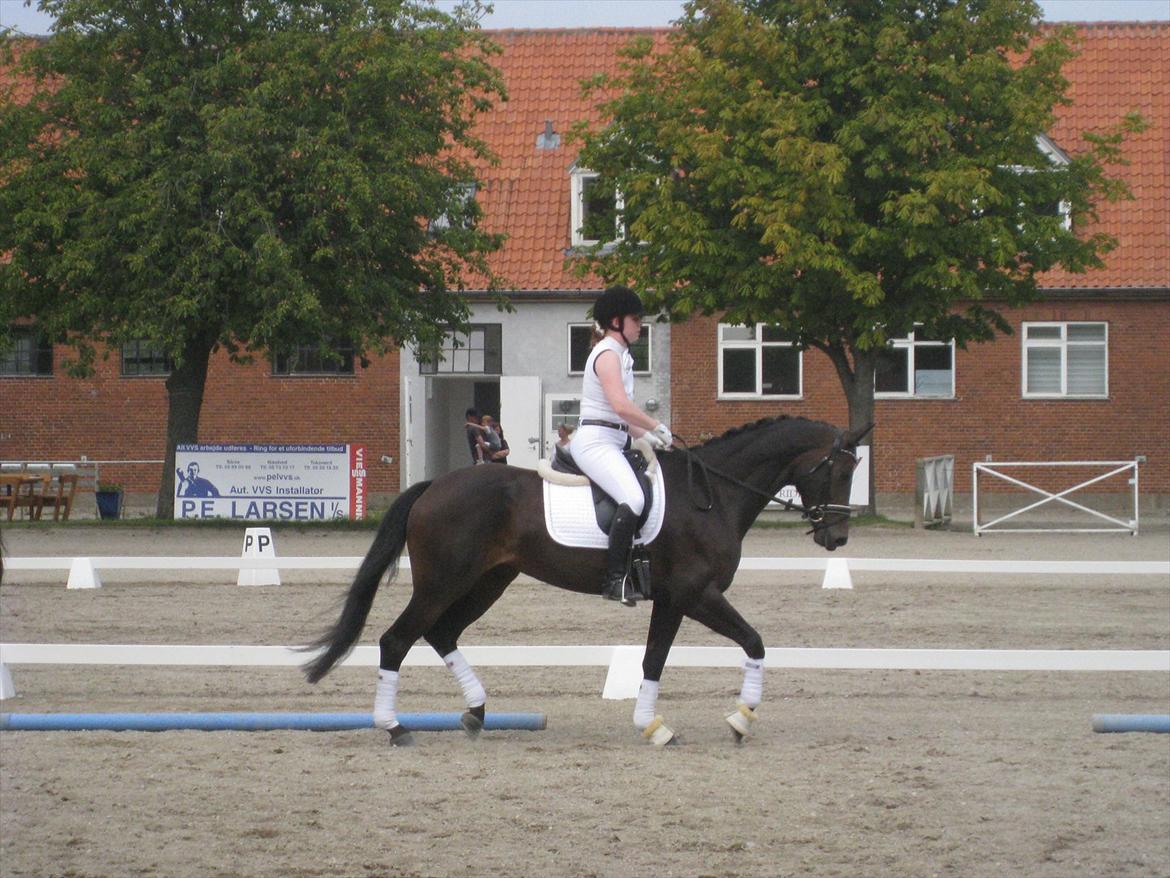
<point>594,210</point>
<point>1057,157</point>
<point>464,194</point>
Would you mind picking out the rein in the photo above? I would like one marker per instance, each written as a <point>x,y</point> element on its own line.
<point>815,515</point>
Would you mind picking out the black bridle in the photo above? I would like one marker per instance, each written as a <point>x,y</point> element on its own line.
<point>815,515</point>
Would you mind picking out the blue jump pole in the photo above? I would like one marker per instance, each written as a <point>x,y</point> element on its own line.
<point>251,722</point>
<point>1131,722</point>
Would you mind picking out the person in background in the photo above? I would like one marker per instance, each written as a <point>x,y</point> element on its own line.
<point>494,437</point>
<point>564,435</point>
<point>475,436</point>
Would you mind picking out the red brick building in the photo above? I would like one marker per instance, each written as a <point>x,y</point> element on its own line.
<point>1118,317</point>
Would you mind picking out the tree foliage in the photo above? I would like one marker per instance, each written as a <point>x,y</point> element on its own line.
<point>847,170</point>
<point>244,174</point>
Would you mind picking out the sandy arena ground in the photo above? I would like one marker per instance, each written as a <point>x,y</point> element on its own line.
<point>851,773</point>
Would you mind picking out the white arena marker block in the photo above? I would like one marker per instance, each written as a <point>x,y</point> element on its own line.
<point>624,677</point>
<point>837,574</point>
<point>83,575</point>
<point>258,544</point>
<point>7,690</point>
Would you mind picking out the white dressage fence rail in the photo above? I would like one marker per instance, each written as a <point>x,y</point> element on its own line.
<point>624,663</point>
<point>1112,524</point>
<point>352,562</point>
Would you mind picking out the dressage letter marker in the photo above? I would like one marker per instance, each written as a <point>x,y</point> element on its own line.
<point>837,574</point>
<point>82,574</point>
<point>258,544</point>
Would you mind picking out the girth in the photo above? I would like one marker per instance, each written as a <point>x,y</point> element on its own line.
<point>604,506</point>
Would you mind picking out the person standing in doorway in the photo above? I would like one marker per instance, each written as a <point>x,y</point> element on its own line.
<point>476,443</point>
<point>494,437</point>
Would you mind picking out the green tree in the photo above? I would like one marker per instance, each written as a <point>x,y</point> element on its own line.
<point>245,175</point>
<point>848,170</point>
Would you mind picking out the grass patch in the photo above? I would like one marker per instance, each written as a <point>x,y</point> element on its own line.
<point>854,521</point>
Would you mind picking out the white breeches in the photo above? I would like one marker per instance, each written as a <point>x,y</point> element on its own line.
<point>598,451</point>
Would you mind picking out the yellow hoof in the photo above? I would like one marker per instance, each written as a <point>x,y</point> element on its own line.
<point>741,721</point>
<point>657,733</point>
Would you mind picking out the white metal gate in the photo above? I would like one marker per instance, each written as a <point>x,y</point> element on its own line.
<point>1115,469</point>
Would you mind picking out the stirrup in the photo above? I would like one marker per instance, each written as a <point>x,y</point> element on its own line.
<point>613,590</point>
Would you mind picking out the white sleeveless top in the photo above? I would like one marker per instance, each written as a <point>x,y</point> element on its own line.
<point>593,402</point>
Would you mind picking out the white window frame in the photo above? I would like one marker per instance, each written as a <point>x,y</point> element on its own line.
<point>911,345</point>
<point>1063,344</point>
<point>577,180</point>
<point>648,328</point>
<point>554,417</point>
<point>757,345</point>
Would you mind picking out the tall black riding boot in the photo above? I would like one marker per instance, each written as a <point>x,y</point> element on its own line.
<point>617,559</point>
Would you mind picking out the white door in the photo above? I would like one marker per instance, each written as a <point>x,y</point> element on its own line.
<point>520,412</point>
<point>559,409</point>
<point>414,429</point>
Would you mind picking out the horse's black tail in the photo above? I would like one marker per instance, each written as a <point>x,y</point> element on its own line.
<point>388,545</point>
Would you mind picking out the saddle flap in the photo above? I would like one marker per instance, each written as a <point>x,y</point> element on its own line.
<point>563,470</point>
<point>571,515</point>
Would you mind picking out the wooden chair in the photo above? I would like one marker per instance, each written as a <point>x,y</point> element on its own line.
<point>8,488</point>
<point>62,499</point>
<point>22,492</point>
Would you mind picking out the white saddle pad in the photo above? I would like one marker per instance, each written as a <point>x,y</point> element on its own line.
<point>572,521</point>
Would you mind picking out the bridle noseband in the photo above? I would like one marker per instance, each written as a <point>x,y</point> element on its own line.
<point>815,514</point>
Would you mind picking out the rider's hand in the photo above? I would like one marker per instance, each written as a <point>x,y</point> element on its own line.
<point>655,443</point>
<point>662,434</point>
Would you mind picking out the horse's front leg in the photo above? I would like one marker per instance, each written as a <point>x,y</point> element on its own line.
<point>664,622</point>
<point>714,611</point>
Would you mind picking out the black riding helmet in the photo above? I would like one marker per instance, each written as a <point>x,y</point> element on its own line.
<point>616,302</point>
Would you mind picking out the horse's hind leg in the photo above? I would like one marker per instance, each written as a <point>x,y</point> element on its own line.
<point>444,638</point>
<point>394,644</point>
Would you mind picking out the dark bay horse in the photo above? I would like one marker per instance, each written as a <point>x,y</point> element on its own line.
<point>473,531</point>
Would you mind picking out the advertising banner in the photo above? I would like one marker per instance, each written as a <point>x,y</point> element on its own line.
<point>270,482</point>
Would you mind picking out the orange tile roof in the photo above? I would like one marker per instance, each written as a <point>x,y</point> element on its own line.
<point>527,194</point>
<point>1121,67</point>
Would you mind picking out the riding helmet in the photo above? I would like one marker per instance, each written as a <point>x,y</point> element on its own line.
<point>616,302</point>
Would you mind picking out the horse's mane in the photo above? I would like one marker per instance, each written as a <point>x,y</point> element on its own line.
<point>735,432</point>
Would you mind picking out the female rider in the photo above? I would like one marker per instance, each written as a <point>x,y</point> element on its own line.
<point>608,418</point>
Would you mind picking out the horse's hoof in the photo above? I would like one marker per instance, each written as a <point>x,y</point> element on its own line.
<point>472,721</point>
<point>658,734</point>
<point>400,736</point>
<point>741,723</point>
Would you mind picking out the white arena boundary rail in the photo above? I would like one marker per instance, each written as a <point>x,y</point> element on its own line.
<point>352,562</point>
<point>623,662</point>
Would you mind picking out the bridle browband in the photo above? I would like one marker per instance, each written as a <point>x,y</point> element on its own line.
<point>815,515</point>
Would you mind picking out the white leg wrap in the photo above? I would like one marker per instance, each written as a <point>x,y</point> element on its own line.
<point>647,701</point>
<point>473,692</point>
<point>385,698</point>
<point>753,683</point>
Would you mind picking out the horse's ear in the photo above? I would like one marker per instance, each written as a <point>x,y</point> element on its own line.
<point>853,437</point>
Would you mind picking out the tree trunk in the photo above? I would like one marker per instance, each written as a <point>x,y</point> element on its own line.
<point>184,400</point>
<point>857,382</point>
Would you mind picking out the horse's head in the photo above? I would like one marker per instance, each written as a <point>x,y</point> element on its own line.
<point>824,477</point>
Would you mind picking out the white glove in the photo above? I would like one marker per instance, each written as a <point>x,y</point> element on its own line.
<point>663,434</point>
<point>654,441</point>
